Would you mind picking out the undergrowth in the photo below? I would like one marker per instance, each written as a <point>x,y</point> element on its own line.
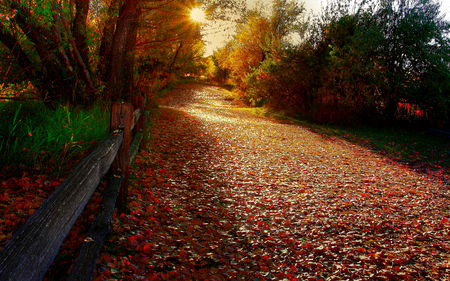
<point>37,140</point>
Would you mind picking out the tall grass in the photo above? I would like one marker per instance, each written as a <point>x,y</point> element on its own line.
<point>38,140</point>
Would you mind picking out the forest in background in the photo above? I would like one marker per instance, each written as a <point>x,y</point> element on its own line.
<point>81,51</point>
<point>359,61</point>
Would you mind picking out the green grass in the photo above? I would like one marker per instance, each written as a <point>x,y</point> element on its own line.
<point>35,139</point>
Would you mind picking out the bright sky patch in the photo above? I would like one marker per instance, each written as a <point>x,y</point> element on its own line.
<point>198,15</point>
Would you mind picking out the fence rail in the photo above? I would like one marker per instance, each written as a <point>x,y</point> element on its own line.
<point>33,247</point>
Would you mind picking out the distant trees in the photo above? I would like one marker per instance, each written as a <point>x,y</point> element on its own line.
<point>256,41</point>
<point>247,49</point>
<point>362,59</point>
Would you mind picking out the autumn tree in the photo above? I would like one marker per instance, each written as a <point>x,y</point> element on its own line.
<point>247,49</point>
<point>72,50</point>
<point>387,52</point>
<point>256,37</point>
<point>168,49</point>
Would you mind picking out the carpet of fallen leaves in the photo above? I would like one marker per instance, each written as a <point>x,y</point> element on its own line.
<point>220,194</point>
<point>223,195</point>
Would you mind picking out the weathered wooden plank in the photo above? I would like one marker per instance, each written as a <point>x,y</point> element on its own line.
<point>136,115</point>
<point>144,123</point>
<point>140,102</point>
<point>135,146</point>
<point>84,266</point>
<point>122,118</point>
<point>33,247</point>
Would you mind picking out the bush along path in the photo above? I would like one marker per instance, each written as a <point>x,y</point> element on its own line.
<point>222,195</point>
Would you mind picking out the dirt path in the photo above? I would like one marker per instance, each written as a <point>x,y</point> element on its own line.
<point>221,194</point>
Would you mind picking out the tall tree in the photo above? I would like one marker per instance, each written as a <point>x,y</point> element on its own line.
<point>50,40</point>
<point>414,51</point>
<point>122,57</point>
<point>379,53</point>
<point>80,30</point>
<point>247,49</point>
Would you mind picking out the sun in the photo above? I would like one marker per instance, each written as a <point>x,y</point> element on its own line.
<point>198,15</point>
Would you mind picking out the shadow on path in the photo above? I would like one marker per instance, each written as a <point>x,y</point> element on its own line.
<point>221,194</point>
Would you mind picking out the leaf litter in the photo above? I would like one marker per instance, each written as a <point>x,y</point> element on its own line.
<point>224,195</point>
<point>220,194</point>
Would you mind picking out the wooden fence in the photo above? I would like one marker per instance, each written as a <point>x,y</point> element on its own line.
<point>439,126</point>
<point>33,247</point>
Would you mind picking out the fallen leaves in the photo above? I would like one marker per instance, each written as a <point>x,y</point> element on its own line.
<point>220,194</point>
<point>226,195</point>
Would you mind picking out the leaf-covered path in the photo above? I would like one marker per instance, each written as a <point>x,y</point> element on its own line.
<point>221,195</point>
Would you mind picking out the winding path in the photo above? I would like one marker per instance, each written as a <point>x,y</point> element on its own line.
<point>222,194</point>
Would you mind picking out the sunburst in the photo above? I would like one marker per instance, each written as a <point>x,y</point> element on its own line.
<point>198,15</point>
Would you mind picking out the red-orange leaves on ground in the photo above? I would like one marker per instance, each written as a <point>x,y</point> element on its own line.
<point>220,194</point>
<point>19,199</point>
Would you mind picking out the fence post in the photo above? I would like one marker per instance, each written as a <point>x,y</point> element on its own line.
<point>142,123</point>
<point>122,118</point>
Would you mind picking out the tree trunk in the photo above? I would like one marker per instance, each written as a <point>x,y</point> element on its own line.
<point>129,85</point>
<point>52,84</point>
<point>175,57</point>
<point>120,49</point>
<point>106,42</point>
<point>80,30</point>
<point>20,56</point>
<point>54,73</point>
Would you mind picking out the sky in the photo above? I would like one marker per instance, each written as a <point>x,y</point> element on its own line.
<point>216,35</point>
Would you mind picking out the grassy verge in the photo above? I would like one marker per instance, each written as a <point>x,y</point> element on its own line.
<point>413,147</point>
<point>36,140</point>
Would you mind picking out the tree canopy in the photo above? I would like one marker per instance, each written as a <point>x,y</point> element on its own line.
<point>79,51</point>
<point>358,59</point>
<point>256,37</point>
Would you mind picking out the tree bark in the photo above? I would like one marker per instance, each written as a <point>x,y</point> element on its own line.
<point>80,30</point>
<point>121,48</point>
<point>129,84</point>
<point>54,67</point>
<point>20,56</point>
<point>52,84</point>
<point>107,37</point>
<point>80,61</point>
<point>175,56</point>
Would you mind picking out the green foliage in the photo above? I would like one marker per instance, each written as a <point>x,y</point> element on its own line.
<point>414,52</point>
<point>363,60</point>
<point>38,140</point>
